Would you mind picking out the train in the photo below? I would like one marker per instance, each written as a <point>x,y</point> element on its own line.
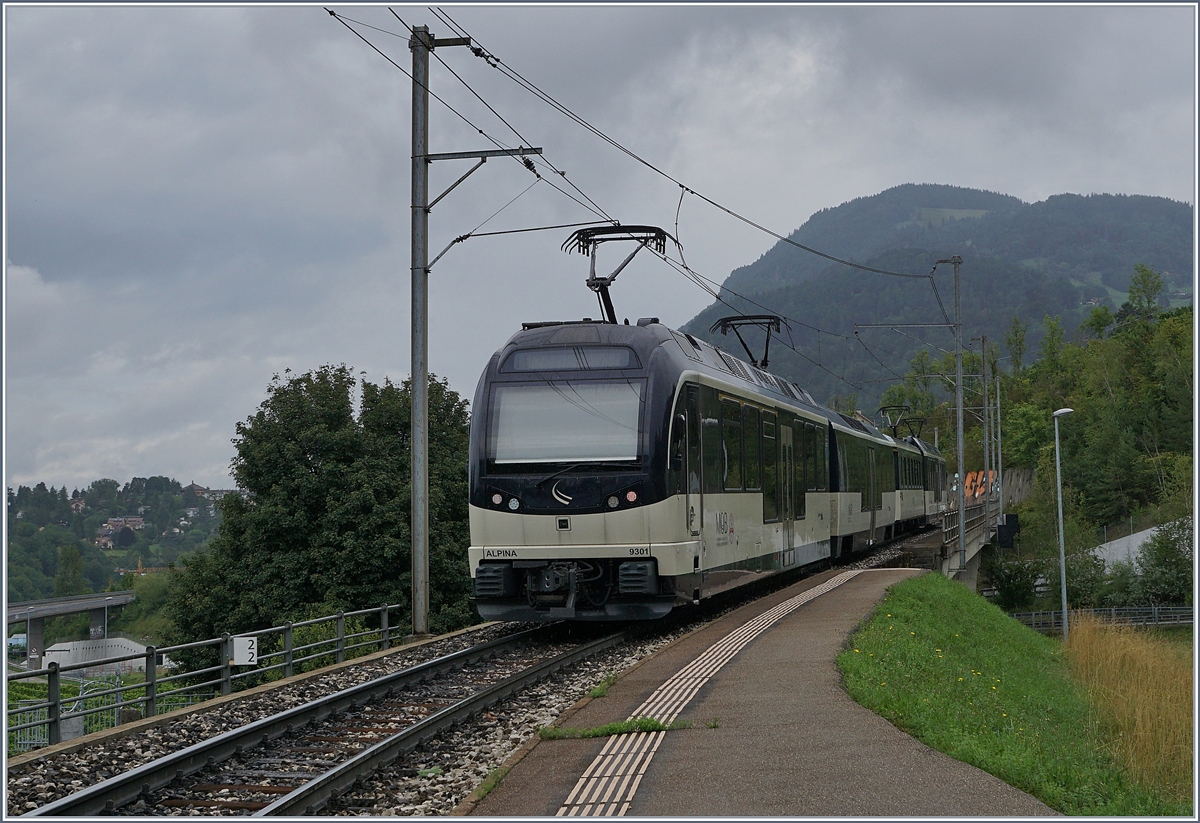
<point>618,471</point>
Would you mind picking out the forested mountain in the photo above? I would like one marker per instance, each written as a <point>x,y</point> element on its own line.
<point>1059,257</point>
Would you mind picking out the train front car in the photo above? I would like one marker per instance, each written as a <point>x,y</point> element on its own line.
<point>570,515</point>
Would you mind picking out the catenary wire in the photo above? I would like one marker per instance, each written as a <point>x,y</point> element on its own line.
<point>496,62</point>
<point>597,209</point>
<point>345,21</point>
<point>690,274</point>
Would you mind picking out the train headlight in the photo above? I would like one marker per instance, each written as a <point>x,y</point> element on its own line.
<point>513,504</point>
<point>613,502</point>
<point>631,496</point>
<point>497,498</point>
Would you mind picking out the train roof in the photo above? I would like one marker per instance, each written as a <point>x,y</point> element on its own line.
<point>649,333</point>
<point>928,449</point>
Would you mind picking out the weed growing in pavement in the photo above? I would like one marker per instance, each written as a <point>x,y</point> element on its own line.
<point>637,724</point>
<point>714,723</point>
<point>601,689</point>
<point>958,674</point>
<point>490,782</point>
<point>1141,684</point>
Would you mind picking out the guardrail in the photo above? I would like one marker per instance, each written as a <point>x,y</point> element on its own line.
<point>322,641</point>
<point>1049,621</point>
<point>976,517</point>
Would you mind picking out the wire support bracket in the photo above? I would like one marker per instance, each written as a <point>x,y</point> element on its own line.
<point>766,322</point>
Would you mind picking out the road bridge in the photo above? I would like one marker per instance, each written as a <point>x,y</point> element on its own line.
<point>33,614</point>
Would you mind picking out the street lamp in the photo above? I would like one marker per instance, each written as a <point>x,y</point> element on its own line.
<point>1062,551</point>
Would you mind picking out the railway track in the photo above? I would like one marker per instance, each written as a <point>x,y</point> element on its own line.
<point>295,761</point>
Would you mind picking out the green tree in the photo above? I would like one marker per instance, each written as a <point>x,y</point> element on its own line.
<point>1144,288</point>
<point>1014,580</point>
<point>326,519</point>
<point>1100,318</point>
<point>1015,340</point>
<point>69,579</point>
<point>1052,342</point>
<point>1165,564</point>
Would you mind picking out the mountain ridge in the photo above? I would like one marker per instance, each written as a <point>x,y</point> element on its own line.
<point>1056,257</point>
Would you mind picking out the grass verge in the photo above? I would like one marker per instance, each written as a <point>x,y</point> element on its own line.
<point>958,674</point>
<point>638,724</point>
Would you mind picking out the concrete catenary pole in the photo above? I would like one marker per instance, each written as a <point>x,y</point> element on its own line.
<point>999,454</point>
<point>420,43</point>
<point>956,260</point>
<point>987,444</point>
<point>1062,551</point>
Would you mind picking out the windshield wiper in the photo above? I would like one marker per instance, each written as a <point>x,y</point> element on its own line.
<point>596,464</point>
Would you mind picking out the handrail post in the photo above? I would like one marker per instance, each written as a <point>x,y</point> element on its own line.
<point>151,699</point>
<point>385,640</point>
<point>54,695</point>
<point>226,669</point>
<point>341,637</point>
<point>287,649</point>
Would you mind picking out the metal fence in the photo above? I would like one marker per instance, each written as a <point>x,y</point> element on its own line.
<point>99,703</point>
<point>976,517</point>
<point>1050,621</point>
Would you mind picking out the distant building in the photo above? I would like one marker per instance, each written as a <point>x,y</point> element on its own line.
<point>118,523</point>
<point>213,495</point>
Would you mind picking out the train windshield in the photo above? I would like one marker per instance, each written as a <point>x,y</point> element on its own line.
<point>563,421</point>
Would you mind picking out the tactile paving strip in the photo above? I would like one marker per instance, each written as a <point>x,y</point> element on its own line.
<point>609,783</point>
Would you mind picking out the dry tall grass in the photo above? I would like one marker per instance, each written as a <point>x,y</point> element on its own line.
<point>1142,688</point>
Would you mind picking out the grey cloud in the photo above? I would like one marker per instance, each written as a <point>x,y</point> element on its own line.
<point>202,197</point>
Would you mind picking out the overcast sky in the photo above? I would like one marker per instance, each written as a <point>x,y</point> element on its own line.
<point>199,198</point>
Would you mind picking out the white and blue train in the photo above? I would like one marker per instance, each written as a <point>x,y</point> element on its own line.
<point>617,471</point>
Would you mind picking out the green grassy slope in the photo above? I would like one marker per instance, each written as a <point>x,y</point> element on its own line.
<point>958,674</point>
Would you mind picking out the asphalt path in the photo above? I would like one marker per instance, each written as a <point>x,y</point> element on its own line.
<point>773,733</point>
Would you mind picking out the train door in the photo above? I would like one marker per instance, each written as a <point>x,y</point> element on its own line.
<point>694,481</point>
<point>787,478</point>
<point>873,488</point>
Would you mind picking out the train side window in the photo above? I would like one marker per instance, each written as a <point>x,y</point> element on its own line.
<point>752,447</point>
<point>711,445</point>
<point>810,456</point>
<point>731,439</point>
<point>770,459</point>
<point>887,472</point>
<point>822,471</point>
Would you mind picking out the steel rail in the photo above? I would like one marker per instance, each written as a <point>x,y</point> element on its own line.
<point>316,794</point>
<point>108,795</point>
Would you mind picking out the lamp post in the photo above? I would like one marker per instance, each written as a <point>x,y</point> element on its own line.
<point>1062,551</point>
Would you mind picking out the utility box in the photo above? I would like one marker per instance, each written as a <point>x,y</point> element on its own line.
<point>1006,531</point>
